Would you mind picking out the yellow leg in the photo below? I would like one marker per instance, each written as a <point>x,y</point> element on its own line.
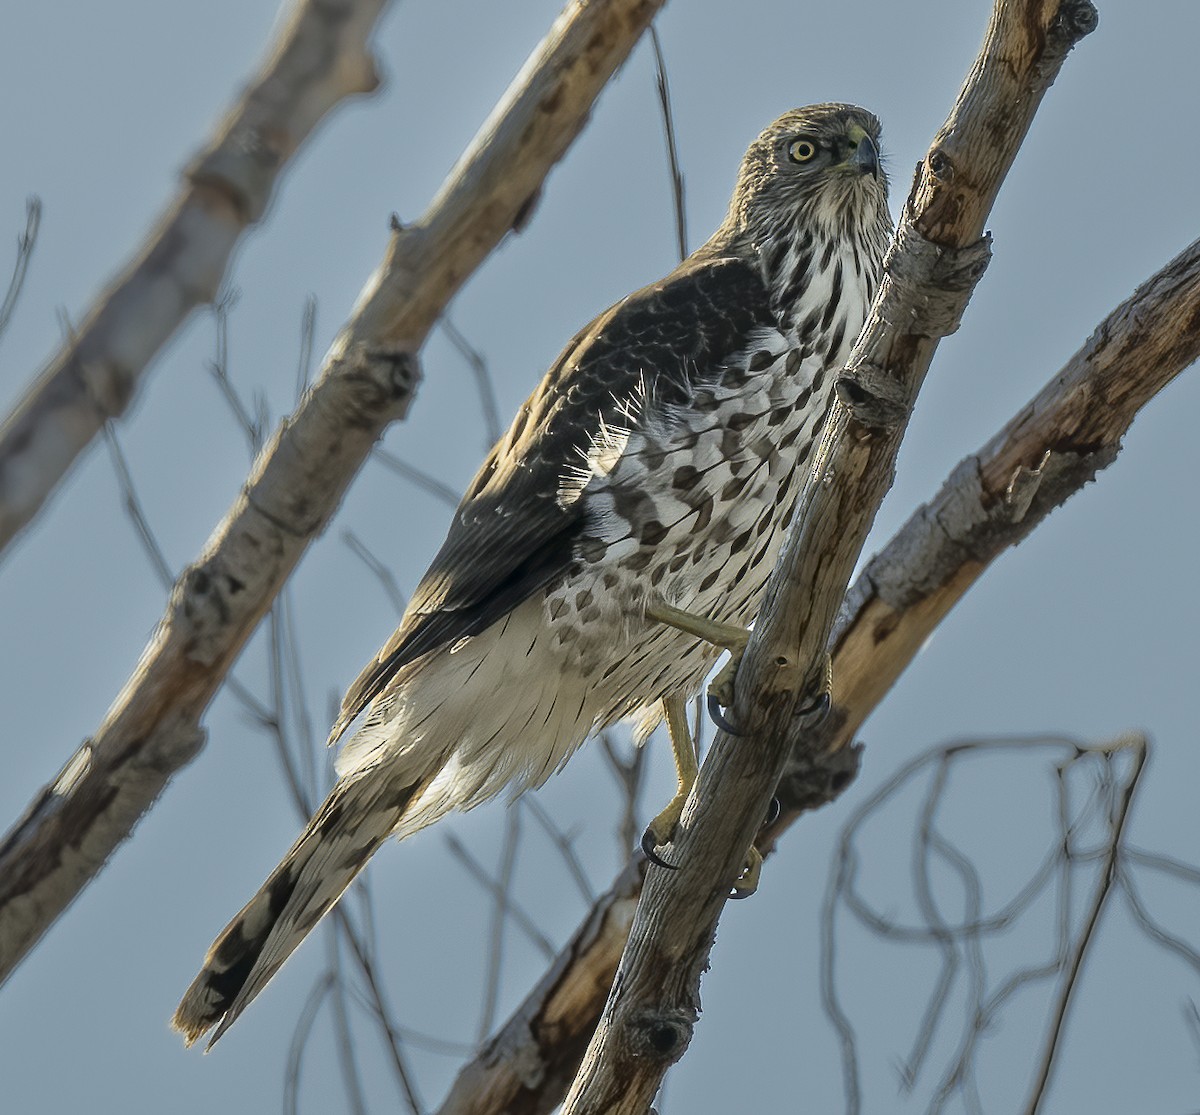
<point>661,830</point>
<point>727,635</point>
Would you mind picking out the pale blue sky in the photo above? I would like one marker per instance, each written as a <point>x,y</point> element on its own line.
<point>1090,628</point>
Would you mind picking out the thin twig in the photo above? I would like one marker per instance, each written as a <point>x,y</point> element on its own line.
<point>218,368</point>
<point>477,872</point>
<point>492,425</point>
<point>382,1010</point>
<point>417,476</point>
<point>500,909</point>
<point>25,245</point>
<point>343,1037</point>
<point>564,842</point>
<point>308,330</point>
<point>629,774</point>
<point>1136,746</point>
<point>385,577</point>
<point>134,509</point>
<point>300,1036</point>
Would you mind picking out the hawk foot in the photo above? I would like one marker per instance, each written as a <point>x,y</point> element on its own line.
<point>727,635</point>
<point>661,831</point>
<point>747,882</point>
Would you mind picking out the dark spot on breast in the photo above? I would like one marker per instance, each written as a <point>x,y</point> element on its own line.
<point>677,563</point>
<point>763,448</point>
<point>685,478</point>
<point>789,439</point>
<point>583,598</point>
<point>710,580</point>
<point>733,488</point>
<point>792,364</point>
<point>638,561</point>
<point>741,541</point>
<point>703,515</point>
<point>657,574</point>
<point>652,533</point>
<point>740,421</point>
<point>836,337</point>
<point>653,458</point>
<point>761,360</point>
<point>835,297</point>
<point>592,550</point>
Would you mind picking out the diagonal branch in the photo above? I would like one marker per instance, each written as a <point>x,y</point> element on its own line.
<point>932,269</point>
<point>320,59</point>
<point>153,727</point>
<point>1084,411</point>
<point>994,498</point>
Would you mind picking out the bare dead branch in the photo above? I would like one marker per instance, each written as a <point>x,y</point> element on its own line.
<point>1046,453</point>
<point>1132,355</point>
<point>25,245</point>
<point>368,380</point>
<point>527,1066</point>
<point>319,59</point>
<point>932,269</point>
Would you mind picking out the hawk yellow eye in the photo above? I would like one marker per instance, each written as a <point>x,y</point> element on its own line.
<point>801,150</point>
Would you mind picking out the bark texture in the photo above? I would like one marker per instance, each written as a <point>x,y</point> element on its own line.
<point>937,259</point>
<point>320,59</point>
<point>368,379</point>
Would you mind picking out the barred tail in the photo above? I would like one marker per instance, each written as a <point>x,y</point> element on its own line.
<point>356,818</point>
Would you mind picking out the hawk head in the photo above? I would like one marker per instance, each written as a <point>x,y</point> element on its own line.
<point>815,166</point>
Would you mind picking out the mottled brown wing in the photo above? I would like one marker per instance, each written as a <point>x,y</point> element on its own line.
<point>513,534</point>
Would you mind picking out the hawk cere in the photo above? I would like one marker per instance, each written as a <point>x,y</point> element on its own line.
<point>616,539</point>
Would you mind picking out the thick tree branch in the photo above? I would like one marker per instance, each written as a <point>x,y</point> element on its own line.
<point>320,59</point>
<point>651,1011</point>
<point>1046,453</point>
<point>153,727</point>
<point>904,592</point>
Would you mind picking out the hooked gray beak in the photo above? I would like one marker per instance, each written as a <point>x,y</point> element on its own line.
<point>866,157</point>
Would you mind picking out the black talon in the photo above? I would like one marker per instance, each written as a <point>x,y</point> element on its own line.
<point>718,717</point>
<point>648,846</point>
<point>737,895</point>
<point>773,811</point>
<point>812,714</point>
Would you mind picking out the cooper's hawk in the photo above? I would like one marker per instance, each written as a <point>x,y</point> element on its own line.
<point>625,524</point>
